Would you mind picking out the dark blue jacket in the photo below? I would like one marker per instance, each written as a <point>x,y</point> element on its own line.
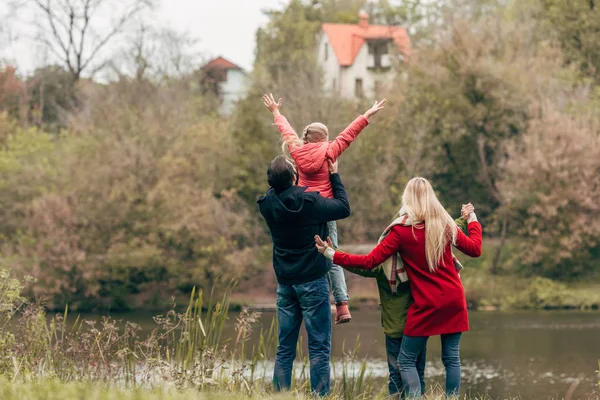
<point>294,217</point>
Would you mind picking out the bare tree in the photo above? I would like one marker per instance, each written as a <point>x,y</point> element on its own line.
<point>76,31</point>
<point>156,53</point>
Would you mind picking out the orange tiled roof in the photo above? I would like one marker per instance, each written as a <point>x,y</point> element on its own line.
<point>220,63</point>
<point>347,39</point>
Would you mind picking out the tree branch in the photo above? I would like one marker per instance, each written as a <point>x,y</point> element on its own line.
<point>71,13</point>
<point>51,19</point>
<point>117,28</point>
<point>86,21</point>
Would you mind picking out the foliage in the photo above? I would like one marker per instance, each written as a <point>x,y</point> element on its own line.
<point>124,193</point>
<point>52,94</point>
<point>576,25</point>
<point>13,93</point>
<point>124,205</point>
<point>557,172</point>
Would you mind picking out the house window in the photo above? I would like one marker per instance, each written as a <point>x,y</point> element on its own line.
<point>333,85</point>
<point>378,48</point>
<point>358,88</point>
<point>326,51</point>
<point>377,89</point>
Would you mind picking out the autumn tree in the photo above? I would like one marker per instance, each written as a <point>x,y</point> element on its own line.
<point>13,93</point>
<point>52,94</point>
<point>157,54</point>
<point>576,25</point>
<point>552,186</point>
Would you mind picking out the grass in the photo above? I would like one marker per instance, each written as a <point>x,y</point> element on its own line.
<point>185,352</point>
<point>49,389</point>
<point>56,390</point>
<point>185,357</point>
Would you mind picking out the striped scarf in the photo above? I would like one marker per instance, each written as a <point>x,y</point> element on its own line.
<point>393,267</point>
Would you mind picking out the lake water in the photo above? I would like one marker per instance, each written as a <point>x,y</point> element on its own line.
<point>534,355</point>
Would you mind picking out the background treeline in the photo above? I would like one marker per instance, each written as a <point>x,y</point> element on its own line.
<point>124,191</point>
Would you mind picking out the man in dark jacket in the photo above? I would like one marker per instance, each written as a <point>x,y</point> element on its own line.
<point>294,216</point>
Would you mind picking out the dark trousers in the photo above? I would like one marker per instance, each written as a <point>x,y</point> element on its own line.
<point>309,302</point>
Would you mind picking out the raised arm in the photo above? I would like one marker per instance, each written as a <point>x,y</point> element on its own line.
<point>378,255</point>
<point>344,139</point>
<point>288,134</point>
<point>470,245</point>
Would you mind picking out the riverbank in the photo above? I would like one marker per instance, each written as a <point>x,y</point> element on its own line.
<point>509,289</point>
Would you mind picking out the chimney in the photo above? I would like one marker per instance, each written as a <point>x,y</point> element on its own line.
<point>363,20</point>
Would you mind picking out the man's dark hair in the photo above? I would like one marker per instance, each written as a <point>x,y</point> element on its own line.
<point>281,174</point>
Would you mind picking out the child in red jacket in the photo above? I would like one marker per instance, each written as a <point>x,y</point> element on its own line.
<point>310,152</point>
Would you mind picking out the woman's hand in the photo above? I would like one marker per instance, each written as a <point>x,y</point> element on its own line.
<point>269,102</point>
<point>373,110</point>
<point>321,245</point>
<point>466,210</point>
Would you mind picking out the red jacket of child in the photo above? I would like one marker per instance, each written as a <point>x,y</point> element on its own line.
<point>311,158</point>
<point>439,304</point>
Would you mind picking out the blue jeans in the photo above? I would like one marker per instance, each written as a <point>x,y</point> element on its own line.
<point>412,347</point>
<point>392,348</point>
<point>336,273</point>
<point>309,301</point>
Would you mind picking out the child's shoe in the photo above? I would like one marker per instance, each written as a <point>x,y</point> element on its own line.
<point>342,313</point>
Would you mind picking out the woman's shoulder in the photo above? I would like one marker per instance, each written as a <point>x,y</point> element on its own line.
<point>403,228</point>
<point>401,231</point>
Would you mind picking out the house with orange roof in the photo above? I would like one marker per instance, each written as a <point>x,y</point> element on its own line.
<point>226,80</point>
<point>357,59</point>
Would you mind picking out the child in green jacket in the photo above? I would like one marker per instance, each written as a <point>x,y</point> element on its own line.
<point>394,308</point>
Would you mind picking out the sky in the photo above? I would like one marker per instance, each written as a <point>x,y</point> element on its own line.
<point>222,27</point>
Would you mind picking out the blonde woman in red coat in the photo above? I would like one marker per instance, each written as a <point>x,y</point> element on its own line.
<point>439,305</point>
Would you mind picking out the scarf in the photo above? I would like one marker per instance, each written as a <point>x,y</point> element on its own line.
<point>393,267</point>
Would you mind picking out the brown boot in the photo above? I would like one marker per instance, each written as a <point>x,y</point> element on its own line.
<point>342,313</point>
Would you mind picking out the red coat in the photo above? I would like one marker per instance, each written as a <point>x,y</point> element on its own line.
<point>311,158</point>
<point>439,304</point>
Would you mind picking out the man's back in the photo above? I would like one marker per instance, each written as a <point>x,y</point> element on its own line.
<point>294,217</point>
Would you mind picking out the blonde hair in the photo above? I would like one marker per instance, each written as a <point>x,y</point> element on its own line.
<point>312,133</point>
<point>421,205</point>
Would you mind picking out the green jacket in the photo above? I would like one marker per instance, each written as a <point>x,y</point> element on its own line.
<point>393,307</point>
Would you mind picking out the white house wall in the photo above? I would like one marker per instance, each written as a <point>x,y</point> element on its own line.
<point>360,70</point>
<point>232,89</point>
<point>331,68</point>
<point>345,77</point>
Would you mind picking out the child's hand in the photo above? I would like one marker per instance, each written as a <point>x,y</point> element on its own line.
<point>321,245</point>
<point>466,210</point>
<point>373,110</point>
<point>269,102</point>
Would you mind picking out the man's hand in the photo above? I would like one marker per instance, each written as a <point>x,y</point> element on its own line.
<point>466,210</point>
<point>333,167</point>
<point>269,102</point>
<point>373,110</point>
<point>321,245</point>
